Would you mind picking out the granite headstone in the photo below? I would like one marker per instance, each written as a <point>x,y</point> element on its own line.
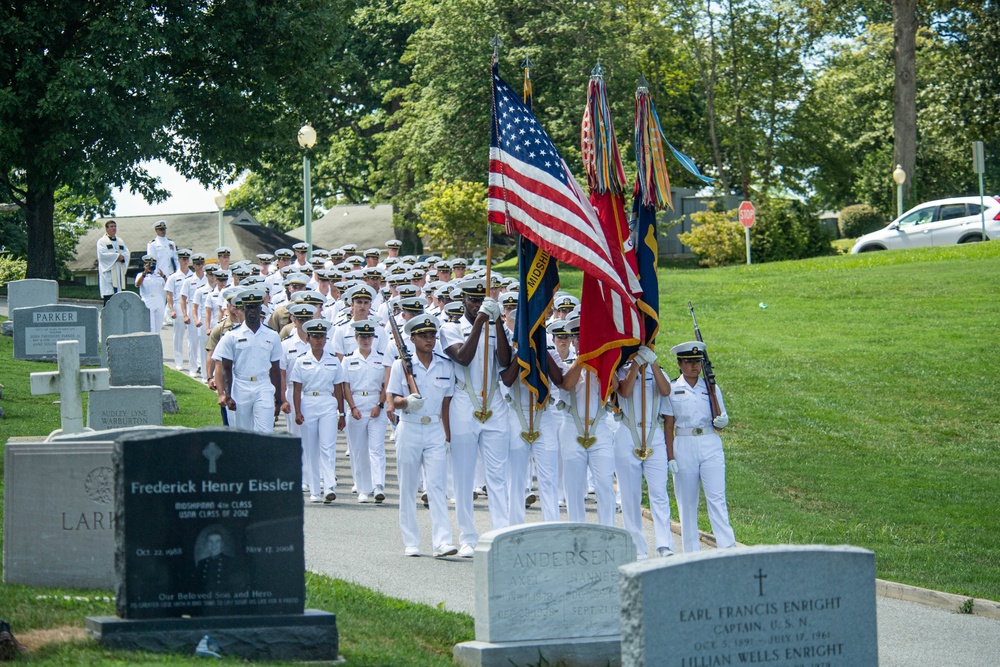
<point>31,292</point>
<point>37,329</point>
<point>58,515</point>
<point>210,524</point>
<point>208,539</point>
<point>121,407</point>
<point>549,590</point>
<point>774,605</point>
<point>135,360</point>
<point>124,313</point>
<point>58,512</point>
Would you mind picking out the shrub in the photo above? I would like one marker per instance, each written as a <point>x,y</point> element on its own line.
<point>717,238</point>
<point>786,229</point>
<point>858,220</point>
<point>11,268</point>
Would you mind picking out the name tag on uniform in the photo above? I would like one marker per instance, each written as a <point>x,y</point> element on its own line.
<point>355,363</point>
<point>442,378</point>
<point>678,391</point>
<point>241,340</point>
<point>330,365</point>
<point>111,246</point>
<point>307,363</point>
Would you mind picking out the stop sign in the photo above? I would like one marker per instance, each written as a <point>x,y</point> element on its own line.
<point>747,214</point>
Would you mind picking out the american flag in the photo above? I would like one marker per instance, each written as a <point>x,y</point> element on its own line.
<point>533,193</point>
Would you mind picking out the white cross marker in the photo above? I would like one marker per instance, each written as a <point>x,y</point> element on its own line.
<point>69,382</point>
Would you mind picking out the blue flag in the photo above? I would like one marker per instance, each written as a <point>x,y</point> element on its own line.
<point>539,277</point>
<point>644,223</point>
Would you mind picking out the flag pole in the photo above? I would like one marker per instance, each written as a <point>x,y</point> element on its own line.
<point>485,413</point>
<point>526,65</point>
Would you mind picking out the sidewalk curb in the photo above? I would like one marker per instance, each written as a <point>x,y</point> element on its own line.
<point>958,604</point>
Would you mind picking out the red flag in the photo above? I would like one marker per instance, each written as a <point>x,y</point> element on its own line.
<point>601,339</point>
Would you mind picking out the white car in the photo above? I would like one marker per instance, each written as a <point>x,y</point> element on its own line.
<point>935,223</point>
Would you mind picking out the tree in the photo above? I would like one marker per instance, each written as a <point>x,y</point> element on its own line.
<point>904,55</point>
<point>90,90</point>
<point>452,218</point>
<point>440,130</point>
<point>344,162</point>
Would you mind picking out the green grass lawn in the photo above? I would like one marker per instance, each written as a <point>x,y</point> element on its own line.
<point>864,402</point>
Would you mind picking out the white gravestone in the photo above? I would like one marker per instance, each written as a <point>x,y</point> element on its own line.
<point>550,590</point>
<point>70,382</point>
<point>121,407</point>
<point>31,292</point>
<point>773,605</point>
<point>58,515</point>
<point>59,511</point>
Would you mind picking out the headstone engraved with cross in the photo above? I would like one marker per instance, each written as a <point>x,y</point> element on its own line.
<point>209,538</point>
<point>70,382</point>
<point>775,605</point>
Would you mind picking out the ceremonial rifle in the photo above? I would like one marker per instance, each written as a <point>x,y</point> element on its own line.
<point>706,368</point>
<point>404,355</point>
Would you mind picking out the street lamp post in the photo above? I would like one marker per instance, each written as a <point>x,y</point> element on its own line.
<point>307,139</point>
<point>220,202</point>
<point>899,176</point>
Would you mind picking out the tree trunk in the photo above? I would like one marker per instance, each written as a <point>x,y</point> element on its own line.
<point>39,209</point>
<point>904,54</point>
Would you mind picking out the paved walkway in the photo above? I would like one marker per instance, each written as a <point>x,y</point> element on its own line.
<point>362,544</point>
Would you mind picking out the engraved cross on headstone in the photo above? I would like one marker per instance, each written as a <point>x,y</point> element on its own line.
<point>760,577</point>
<point>70,382</point>
<point>212,452</point>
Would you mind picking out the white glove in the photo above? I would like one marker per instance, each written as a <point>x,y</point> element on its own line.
<point>413,403</point>
<point>673,466</point>
<point>722,421</point>
<point>447,447</point>
<point>491,308</point>
<point>645,356</point>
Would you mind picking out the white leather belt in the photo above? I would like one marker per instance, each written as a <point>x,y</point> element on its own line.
<point>694,431</point>
<point>252,378</point>
<point>319,393</point>
<point>414,419</point>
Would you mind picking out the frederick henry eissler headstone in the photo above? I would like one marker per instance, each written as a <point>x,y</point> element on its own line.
<point>208,540</point>
<point>211,525</point>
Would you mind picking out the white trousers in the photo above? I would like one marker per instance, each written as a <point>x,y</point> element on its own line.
<point>319,439</point>
<point>192,338</point>
<point>630,471</point>
<point>548,465</point>
<point>156,311</point>
<point>599,460</point>
<point>518,463</point>
<point>180,333</point>
<point>469,438</point>
<point>254,405</point>
<point>701,463</point>
<point>203,358</point>
<point>422,446</point>
<point>366,442</point>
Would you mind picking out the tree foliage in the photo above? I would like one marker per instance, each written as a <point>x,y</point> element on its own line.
<point>90,90</point>
<point>453,218</point>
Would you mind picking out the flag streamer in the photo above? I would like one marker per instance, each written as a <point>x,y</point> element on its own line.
<point>652,184</point>
<point>597,140</point>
